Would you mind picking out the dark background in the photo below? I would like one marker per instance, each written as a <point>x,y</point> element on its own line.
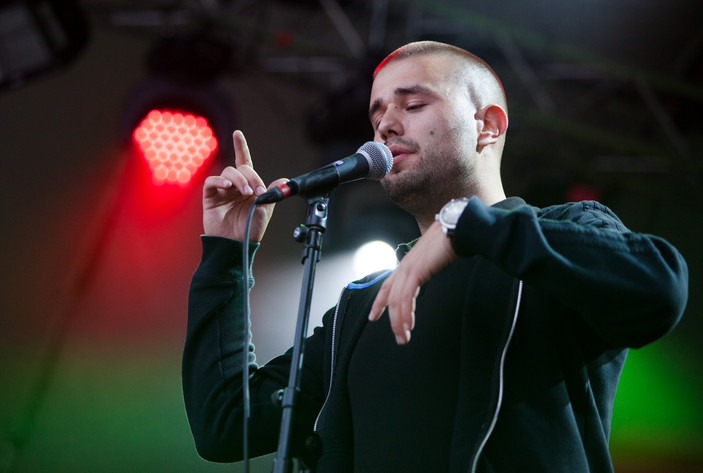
<point>604,99</point>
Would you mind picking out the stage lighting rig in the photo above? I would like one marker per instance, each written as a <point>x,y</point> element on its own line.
<point>178,115</point>
<point>37,37</point>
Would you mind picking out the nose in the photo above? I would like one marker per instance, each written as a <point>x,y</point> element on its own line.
<point>390,124</point>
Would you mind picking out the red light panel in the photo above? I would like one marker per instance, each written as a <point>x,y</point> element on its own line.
<point>175,145</point>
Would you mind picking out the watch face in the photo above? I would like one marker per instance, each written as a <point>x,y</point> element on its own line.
<point>452,211</point>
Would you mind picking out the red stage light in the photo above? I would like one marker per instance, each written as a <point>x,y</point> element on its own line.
<point>175,145</point>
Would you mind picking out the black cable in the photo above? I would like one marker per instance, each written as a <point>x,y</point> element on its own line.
<point>247,329</point>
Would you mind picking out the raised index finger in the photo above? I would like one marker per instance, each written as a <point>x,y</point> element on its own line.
<point>241,150</point>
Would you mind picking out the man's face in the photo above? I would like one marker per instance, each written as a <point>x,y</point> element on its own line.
<point>422,112</point>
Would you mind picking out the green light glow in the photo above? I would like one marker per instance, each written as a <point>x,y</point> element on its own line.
<point>105,412</point>
<point>658,415</point>
<point>110,412</point>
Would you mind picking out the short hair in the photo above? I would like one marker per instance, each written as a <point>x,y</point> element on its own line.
<point>484,84</point>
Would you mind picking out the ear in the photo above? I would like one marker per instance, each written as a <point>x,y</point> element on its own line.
<point>493,121</point>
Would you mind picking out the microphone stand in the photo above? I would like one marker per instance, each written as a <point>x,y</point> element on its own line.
<point>311,234</point>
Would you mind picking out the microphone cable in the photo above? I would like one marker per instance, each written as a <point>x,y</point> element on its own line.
<point>247,328</point>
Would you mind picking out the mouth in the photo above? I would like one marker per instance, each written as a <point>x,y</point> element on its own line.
<point>399,153</point>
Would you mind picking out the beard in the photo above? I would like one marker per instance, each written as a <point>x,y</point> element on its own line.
<point>435,178</point>
<point>444,168</point>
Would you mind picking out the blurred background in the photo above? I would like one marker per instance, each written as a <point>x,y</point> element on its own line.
<point>99,240</point>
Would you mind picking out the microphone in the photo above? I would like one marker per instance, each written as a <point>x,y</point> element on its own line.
<point>371,161</point>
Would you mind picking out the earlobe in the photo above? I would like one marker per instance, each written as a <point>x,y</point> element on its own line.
<point>493,122</point>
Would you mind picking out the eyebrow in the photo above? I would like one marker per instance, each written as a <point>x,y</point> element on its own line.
<point>400,92</point>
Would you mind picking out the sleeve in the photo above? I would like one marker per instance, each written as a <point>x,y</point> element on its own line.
<point>631,288</point>
<point>212,364</point>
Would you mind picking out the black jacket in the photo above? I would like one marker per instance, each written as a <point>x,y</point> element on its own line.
<point>556,297</point>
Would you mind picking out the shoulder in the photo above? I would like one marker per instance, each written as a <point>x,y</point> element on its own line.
<point>370,280</point>
<point>587,212</point>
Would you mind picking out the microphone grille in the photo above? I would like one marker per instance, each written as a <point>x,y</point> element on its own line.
<point>380,159</point>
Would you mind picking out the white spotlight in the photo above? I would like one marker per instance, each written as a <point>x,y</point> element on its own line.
<point>374,256</point>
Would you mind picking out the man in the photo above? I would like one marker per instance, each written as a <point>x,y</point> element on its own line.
<point>509,325</point>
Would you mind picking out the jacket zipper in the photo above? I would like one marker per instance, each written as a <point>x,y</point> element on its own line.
<point>494,419</point>
<point>332,361</point>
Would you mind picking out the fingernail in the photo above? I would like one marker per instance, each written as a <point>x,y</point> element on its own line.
<point>400,340</point>
<point>407,336</point>
<point>372,316</point>
<point>248,190</point>
<point>260,190</point>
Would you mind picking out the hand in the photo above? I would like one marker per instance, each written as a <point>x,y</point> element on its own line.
<point>432,252</point>
<point>228,197</point>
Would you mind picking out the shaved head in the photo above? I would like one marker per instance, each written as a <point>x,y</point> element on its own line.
<point>483,85</point>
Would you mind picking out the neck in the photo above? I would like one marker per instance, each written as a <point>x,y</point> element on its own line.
<point>489,196</point>
<point>484,181</point>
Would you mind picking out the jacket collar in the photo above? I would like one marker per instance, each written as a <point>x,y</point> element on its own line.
<point>508,204</point>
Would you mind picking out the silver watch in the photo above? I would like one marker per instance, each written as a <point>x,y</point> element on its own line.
<point>450,213</point>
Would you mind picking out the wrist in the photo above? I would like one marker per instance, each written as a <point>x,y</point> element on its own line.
<point>449,215</point>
